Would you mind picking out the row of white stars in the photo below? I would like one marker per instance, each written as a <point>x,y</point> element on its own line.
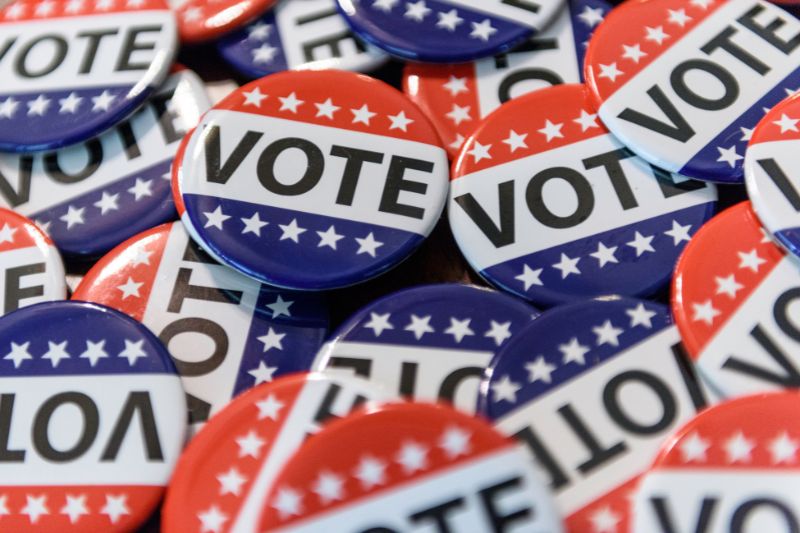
<point>604,255</point>
<point>46,8</point>
<point>74,507</point>
<point>68,105</point>
<point>292,231</point>
<point>450,20</point>
<point>739,448</point>
<point>57,351</point>
<point>420,325</point>
<point>572,352</point>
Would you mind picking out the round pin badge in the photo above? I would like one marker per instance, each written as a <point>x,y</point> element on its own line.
<point>222,479</point>
<point>771,179</point>
<point>427,343</point>
<point>226,332</point>
<point>547,204</point>
<point>31,265</point>
<point>92,196</point>
<point>732,468</point>
<point>406,466</point>
<point>736,314</point>
<point>74,68</point>
<point>591,390</point>
<point>683,83</point>
<point>457,97</point>
<point>302,34</point>
<point>94,419</point>
<point>206,20</point>
<point>447,31</point>
<point>312,179</point>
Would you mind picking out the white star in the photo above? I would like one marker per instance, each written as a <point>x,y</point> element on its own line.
<point>456,85</point>
<point>456,144</point>
<point>610,71</point>
<point>269,407</point>
<point>567,265</point>
<point>455,441</point>
<point>384,5</point>
<point>459,329</point>
<point>573,352</point>
<point>141,189</point>
<point>103,5</point>
<point>449,20</point>
<point>35,507</point>
<point>329,487</point>
<point>783,449</point>
<point>4,505</point>
<point>419,326</point>
<point>591,16</point>
<point>73,216</point>
<point>250,445</point>
<point>18,353</point>
<point>94,352</point>
<point>291,231</point>
<point>399,121</point>
<point>705,312</point>
<point>288,502</point>
<point>739,448</point>
<point>132,351</point>
<point>641,243</point>
<point>141,257</point>
<point>747,133</point>
<point>605,520</point>
<point>231,482</point>
<point>702,4</point>
<point>728,155</point>
<point>413,457</point>
<point>290,103</point>
<point>640,316</point>
<point>15,10</point>
<point>326,109</point>
<point>786,123</point>
<point>253,97</point>
<point>44,8</point>
<point>130,288</point>
<point>679,17</point>
<point>605,254</point>
<point>7,233</point>
<point>262,373</point>
<point>379,323</point>
<point>115,507</point>
<point>56,352</point>
<point>253,224</point>
<point>530,277</point>
<point>272,340</point>
<point>75,507</point>
<point>505,390</point>
<point>108,202</point>
<point>416,10</point>
<point>551,131</point>
<point>212,520</point>
<point>480,151</point>
<point>515,140</point>
<point>679,233</point>
<point>656,34</point>
<point>694,447</point>
<point>264,53</point>
<point>607,334</point>
<point>482,31</point>
<point>69,104</point>
<point>9,106</point>
<point>540,370</point>
<point>728,285</point>
<point>280,307</point>
<point>459,114</point>
<point>499,332</point>
<point>192,14</point>
<point>259,31</point>
<point>368,245</point>
<point>633,52</point>
<point>362,114</point>
<point>370,472</point>
<point>750,260</point>
<point>215,218</point>
<point>329,238</point>
<point>586,120</point>
<point>102,102</point>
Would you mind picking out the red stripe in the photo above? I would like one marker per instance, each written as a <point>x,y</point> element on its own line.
<point>59,10</point>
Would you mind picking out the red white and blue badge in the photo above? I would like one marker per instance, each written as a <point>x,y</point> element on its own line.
<point>71,69</point>
<point>427,343</point>
<point>684,82</point>
<point>457,97</point>
<point>732,468</point>
<point>205,20</point>
<point>548,205</point>
<point>447,31</point>
<point>409,467</point>
<point>93,419</point>
<point>591,390</point>
<point>312,179</point>
<point>301,34</point>
<point>222,479</point>
<point>226,332</point>
<point>32,270</point>
<point>92,196</point>
<point>736,313</point>
<point>770,174</point>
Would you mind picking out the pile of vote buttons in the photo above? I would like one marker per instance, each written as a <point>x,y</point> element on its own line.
<point>384,266</point>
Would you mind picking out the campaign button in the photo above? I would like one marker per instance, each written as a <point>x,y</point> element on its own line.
<point>91,196</point>
<point>32,271</point>
<point>457,97</point>
<point>204,20</point>
<point>447,31</point>
<point>733,468</point>
<point>305,34</point>
<point>427,343</point>
<point>736,312</point>
<point>221,481</point>
<point>408,467</point>
<point>225,332</point>
<point>591,390</point>
<point>770,175</point>
<point>312,179</point>
<point>93,419</point>
<point>546,204</point>
<point>683,83</point>
<point>71,69</point>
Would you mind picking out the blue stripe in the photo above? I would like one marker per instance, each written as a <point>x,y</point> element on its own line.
<point>581,32</point>
<point>237,49</point>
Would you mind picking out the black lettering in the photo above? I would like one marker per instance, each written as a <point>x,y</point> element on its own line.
<point>583,192</point>
<point>658,387</point>
<point>315,165</point>
<point>558,478</point>
<point>199,410</point>
<point>13,197</point>
<point>677,128</point>
<point>52,165</point>
<point>689,377</point>
<point>742,512</point>
<point>14,292</point>
<point>666,523</point>
<point>131,44</point>
<point>678,81</point>
<point>501,235</point>
<point>361,367</point>
<point>408,378</point>
<point>352,170</point>
<point>599,454</point>
<point>780,313</point>
<point>670,188</point>
<point>723,41</point>
<point>781,181</point>
<point>7,44</point>
<point>332,42</point>
<point>438,514</point>
<point>450,384</point>
<point>789,379</point>
<point>216,171</point>
<point>94,37</point>
<point>528,74</point>
<point>501,522</point>
<point>325,411</point>
<point>769,32</point>
<point>41,424</point>
<point>6,411</point>
<point>203,326</point>
<point>138,401</point>
<point>396,183</point>
<point>166,117</point>
<point>128,139</point>
<point>183,289</point>
<point>527,5</point>
<point>60,52</point>
<point>610,162</point>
